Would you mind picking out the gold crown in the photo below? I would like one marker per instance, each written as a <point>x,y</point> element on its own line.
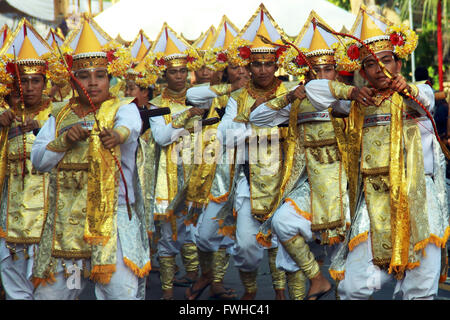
<point>88,53</point>
<point>371,34</point>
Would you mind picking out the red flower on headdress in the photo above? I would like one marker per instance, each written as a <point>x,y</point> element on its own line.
<point>280,51</point>
<point>69,60</point>
<point>299,60</point>
<point>397,39</point>
<point>110,56</point>
<point>244,52</point>
<point>353,52</point>
<point>160,62</point>
<point>222,57</point>
<point>190,59</point>
<point>11,68</point>
<point>140,75</point>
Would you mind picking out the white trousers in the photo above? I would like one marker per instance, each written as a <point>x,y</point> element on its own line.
<point>363,278</point>
<point>248,252</point>
<point>286,224</point>
<point>15,275</point>
<point>124,284</point>
<point>207,236</point>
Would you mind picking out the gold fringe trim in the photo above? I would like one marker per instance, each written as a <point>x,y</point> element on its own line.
<point>96,240</point>
<point>140,272</point>
<point>73,166</point>
<point>43,281</point>
<point>334,240</point>
<point>102,273</point>
<point>375,171</point>
<point>438,242</point>
<point>304,214</point>
<point>328,225</point>
<point>264,239</point>
<point>357,240</point>
<point>320,143</point>
<point>227,231</point>
<point>219,199</point>
<point>161,217</point>
<point>337,275</point>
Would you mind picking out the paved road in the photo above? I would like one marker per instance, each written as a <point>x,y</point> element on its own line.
<point>265,290</point>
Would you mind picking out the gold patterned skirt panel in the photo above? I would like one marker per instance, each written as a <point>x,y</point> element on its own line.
<point>26,199</point>
<point>326,177</point>
<point>70,217</point>
<point>266,162</point>
<point>376,184</point>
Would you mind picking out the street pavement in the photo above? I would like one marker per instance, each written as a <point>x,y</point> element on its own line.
<point>264,281</point>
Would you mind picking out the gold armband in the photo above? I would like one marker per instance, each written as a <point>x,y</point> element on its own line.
<point>340,90</point>
<point>279,102</point>
<point>123,133</point>
<point>60,144</point>
<point>221,89</point>
<point>180,121</point>
<point>414,90</point>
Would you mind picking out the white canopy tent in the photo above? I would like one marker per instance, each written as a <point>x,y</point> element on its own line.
<point>191,18</point>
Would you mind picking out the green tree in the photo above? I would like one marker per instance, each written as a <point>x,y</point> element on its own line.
<point>344,4</point>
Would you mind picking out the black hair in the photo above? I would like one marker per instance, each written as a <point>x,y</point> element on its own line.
<point>225,77</point>
<point>421,74</point>
<point>149,91</point>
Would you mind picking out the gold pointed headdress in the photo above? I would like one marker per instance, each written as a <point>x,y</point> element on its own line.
<point>316,41</point>
<point>57,40</point>
<point>142,69</point>
<point>262,24</point>
<point>171,47</point>
<point>5,32</point>
<point>140,46</point>
<point>225,35</point>
<point>205,41</point>
<point>27,47</point>
<point>87,46</point>
<point>381,34</point>
<point>201,52</point>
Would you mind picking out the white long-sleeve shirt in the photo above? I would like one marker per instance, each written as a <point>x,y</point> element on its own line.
<point>165,134</point>
<point>426,97</point>
<point>126,116</point>
<point>317,92</point>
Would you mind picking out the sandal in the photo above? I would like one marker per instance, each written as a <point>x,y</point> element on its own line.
<point>223,295</point>
<point>196,293</point>
<point>183,282</point>
<point>321,294</point>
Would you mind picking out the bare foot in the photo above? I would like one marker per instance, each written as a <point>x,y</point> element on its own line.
<point>279,294</point>
<point>219,292</point>
<point>318,284</point>
<point>194,292</point>
<point>167,294</point>
<point>249,296</point>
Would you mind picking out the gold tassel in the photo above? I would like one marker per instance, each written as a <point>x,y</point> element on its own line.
<point>86,271</point>
<point>25,252</point>
<point>13,252</point>
<point>66,273</point>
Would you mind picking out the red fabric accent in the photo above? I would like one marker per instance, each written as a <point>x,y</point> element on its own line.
<point>346,73</point>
